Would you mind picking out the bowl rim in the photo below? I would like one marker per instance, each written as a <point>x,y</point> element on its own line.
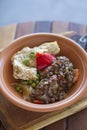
<point>41,33</point>
<point>44,107</point>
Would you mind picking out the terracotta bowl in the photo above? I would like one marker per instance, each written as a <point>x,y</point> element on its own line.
<point>68,48</point>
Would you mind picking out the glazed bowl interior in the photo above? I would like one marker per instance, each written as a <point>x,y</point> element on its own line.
<point>68,48</point>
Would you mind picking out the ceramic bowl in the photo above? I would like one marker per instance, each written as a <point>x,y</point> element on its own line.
<point>68,48</point>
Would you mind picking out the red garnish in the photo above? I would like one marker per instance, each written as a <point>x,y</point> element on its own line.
<point>38,102</point>
<point>44,60</point>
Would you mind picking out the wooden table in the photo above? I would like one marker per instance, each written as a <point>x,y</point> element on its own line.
<point>14,118</point>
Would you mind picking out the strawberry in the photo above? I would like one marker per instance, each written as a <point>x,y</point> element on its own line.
<point>43,60</point>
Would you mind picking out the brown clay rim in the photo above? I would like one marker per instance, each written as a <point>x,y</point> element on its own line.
<point>44,108</point>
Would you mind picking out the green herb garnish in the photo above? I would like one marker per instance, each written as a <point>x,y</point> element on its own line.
<point>30,82</point>
<point>32,55</point>
<point>33,85</point>
<point>26,62</point>
<point>17,88</point>
<point>37,82</point>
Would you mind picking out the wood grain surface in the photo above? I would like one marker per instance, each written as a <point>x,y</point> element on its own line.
<point>14,118</point>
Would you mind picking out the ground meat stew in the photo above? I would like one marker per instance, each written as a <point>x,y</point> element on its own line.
<point>52,83</point>
<point>55,82</point>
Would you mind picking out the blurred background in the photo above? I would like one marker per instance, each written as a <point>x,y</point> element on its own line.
<point>15,11</point>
